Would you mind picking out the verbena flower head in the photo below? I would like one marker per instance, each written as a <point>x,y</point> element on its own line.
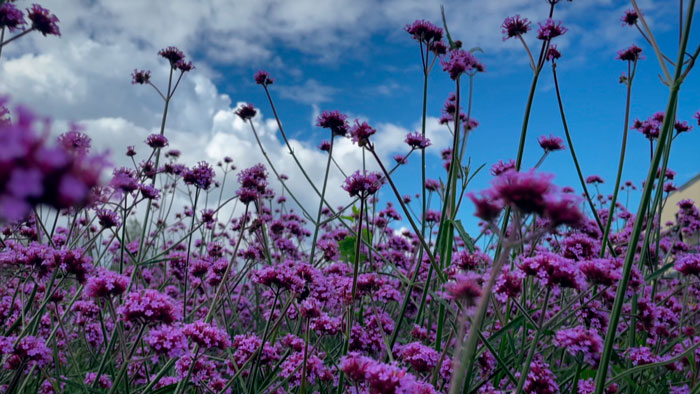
<point>553,53</point>
<point>157,141</point>
<point>554,270</point>
<point>420,357</point>
<point>514,26</point>
<point>501,167</point>
<point>361,132</point>
<point>106,284</point>
<point>417,141</point>
<point>140,77</point>
<point>465,288</point>
<point>540,379</point>
<point>579,340</point>
<point>206,335</point>
<point>335,121</point>
<point>682,126</point>
<point>363,184</point>
<point>43,20</point>
<point>200,176</point>
<point>11,17</point>
<point>104,382</point>
<point>148,307</point>
<point>253,183</point>
<point>459,62</point>
<point>167,340</point>
<point>173,54</point>
<point>601,271</point>
<point>593,179</point>
<point>108,218</point>
<point>550,29</point>
<point>29,351</point>
<point>524,190</point>
<point>629,18</point>
<point>246,111</point>
<point>424,31</point>
<point>75,141</point>
<point>631,54</point>
<point>262,77</point>
<point>184,66</point>
<point>488,205</point>
<point>551,143</point>
<point>688,264</point>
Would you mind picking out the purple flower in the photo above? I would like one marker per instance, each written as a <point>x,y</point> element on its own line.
<point>106,284</point>
<point>206,335</point>
<point>43,20</point>
<point>592,179</point>
<point>550,29</point>
<point>553,270</point>
<point>424,31</point>
<point>246,111</point>
<point>581,340</point>
<point>460,61</point>
<point>262,77</point>
<point>167,340</point>
<point>107,218</point>
<point>540,379</point>
<point>148,306</point>
<point>551,143</point>
<point>200,176</point>
<point>629,18</point>
<point>11,17</point>
<point>501,167</point>
<point>508,285</point>
<point>688,264</point>
<point>641,356</point>
<point>253,182</point>
<point>104,382</point>
<point>149,192</point>
<point>562,209</point>
<point>335,121</point>
<point>157,141</point>
<point>631,54</point>
<point>604,272</point>
<point>361,132</point>
<point>488,205</point>
<point>325,146</point>
<point>422,358</point>
<point>465,288</point>
<point>417,141</point>
<point>184,66</point>
<point>524,190</point>
<point>173,55</point>
<point>514,26</point>
<point>553,53</point>
<point>682,126</point>
<point>363,185</point>
<point>30,351</point>
<point>140,77</point>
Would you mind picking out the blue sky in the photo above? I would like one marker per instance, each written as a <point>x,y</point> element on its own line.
<point>355,57</point>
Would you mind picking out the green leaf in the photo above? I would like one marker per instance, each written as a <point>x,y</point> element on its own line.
<point>346,247</point>
<point>468,241</point>
<point>166,389</point>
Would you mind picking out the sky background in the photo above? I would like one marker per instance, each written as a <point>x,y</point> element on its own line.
<point>353,56</point>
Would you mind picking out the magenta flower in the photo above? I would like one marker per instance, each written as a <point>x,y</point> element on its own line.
<point>540,379</point>
<point>106,284</point>
<point>550,29</point>
<point>335,121</point>
<point>563,209</point>
<point>361,132</point>
<point>157,141</point>
<point>682,126</point>
<point>253,182</point>
<point>11,17</point>
<point>173,55</point>
<point>43,20</point>
<point>422,358</point>
<point>148,307</point>
<point>524,190</point>
<point>140,77</point>
<point>465,288</point>
<point>363,185</point>
<point>424,31</point>
<point>688,264</point>
<point>508,285</point>
<point>488,205</point>
<point>553,270</point>
<point>184,66</point>
<point>417,141</point>
<point>501,167</point>
<point>206,335</point>
<point>104,382</point>
<point>631,54</point>
<point>551,143</point>
<point>514,26</point>
<point>581,340</point>
<point>246,111</point>
<point>593,179</point>
<point>30,351</point>
<point>200,176</point>
<point>553,53</point>
<point>629,18</point>
<point>262,77</point>
<point>459,62</point>
<point>167,340</point>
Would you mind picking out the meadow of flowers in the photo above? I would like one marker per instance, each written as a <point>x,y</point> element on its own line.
<point>554,292</point>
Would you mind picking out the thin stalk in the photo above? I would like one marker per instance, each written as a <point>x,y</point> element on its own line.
<point>533,347</point>
<point>317,226</point>
<point>189,252</point>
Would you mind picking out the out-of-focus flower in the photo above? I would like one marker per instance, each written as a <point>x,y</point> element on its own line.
<point>550,29</point>
<point>262,77</point>
<point>514,26</point>
<point>43,20</point>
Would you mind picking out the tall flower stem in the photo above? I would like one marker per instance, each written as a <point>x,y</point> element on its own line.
<point>317,226</point>
<point>189,252</point>
<point>565,124</point>
<point>533,347</point>
<point>358,242</point>
<point>666,128</point>
<point>611,215</point>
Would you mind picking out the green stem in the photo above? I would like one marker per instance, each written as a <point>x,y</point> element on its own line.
<point>317,226</point>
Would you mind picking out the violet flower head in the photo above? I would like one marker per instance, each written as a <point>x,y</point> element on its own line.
<point>200,176</point>
<point>106,284</point>
<point>206,335</point>
<point>465,288</point>
<point>629,18</point>
<point>335,121</point>
<point>688,264</point>
<point>424,31</point>
<point>524,190</point>
<point>184,66</point>
<point>29,351</point>
<point>75,141</point>
<point>553,53</point>
<point>682,126</point>
<point>579,340</point>
<point>104,382</point>
<point>550,29</point>
<point>108,218</point>
<point>554,270</point>
<point>140,77</point>
<point>173,55</point>
<point>540,379</point>
<point>157,141</point>
<point>551,143</point>
<point>167,340</point>
<point>325,146</point>
<point>459,62</point>
<point>43,20</point>
<point>488,205</point>
<point>508,285</point>
<point>363,185</point>
<point>605,272</point>
<point>514,26</point>
<point>696,116</point>
<point>593,179</point>
<point>361,132</point>
<point>253,182</point>
<point>262,77</point>
<point>246,111</point>
<point>501,167</point>
<point>11,17</point>
<point>417,141</point>
<point>563,209</point>
<point>631,54</point>
<point>420,357</point>
<point>148,306</point>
